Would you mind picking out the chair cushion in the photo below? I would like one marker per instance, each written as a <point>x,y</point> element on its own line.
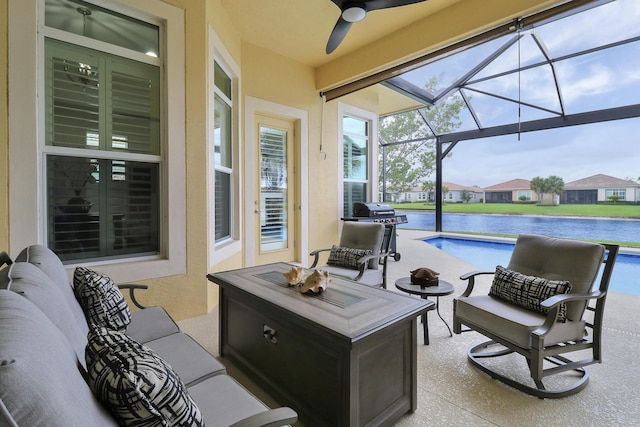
<point>347,257</point>
<point>40,383</point>
<point>138,387</point>
<point>100,299</point>
<point>553,258</point>
<point>511,322</point>
<point>370,277</point>
<point>528,291</point>
<point>363,235</point>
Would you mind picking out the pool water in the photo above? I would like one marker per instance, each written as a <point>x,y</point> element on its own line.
<point>486,255</point>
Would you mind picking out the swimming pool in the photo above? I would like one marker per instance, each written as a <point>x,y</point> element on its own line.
<point>486,254</point>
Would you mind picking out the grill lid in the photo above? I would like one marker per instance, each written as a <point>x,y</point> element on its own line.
<point>372,210</point>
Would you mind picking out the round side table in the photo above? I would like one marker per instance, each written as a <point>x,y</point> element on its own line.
<point>443,288</point>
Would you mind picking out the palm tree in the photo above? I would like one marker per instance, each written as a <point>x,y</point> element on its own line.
<point>538,185</point>
<point>554,185</point>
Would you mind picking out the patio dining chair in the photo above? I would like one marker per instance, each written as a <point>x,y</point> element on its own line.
<point>362,253</point>
<point>543,307</point>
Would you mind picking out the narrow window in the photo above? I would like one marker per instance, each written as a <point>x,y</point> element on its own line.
<point>355,142</point>
<point>223,147</point>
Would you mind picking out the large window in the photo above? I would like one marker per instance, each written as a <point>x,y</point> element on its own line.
<point>103,151</point>
<point>616,194</point>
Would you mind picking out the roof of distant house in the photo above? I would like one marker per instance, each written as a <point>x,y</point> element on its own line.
<point>452,186</point>
<point>600,181</point>
<point>514,184</point>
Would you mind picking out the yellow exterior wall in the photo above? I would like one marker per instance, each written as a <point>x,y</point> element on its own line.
<point>271,77</point>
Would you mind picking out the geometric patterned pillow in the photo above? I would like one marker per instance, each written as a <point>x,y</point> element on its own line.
<point>100,299</point>
<point>528,291</point>
<point>138,387</point>
<point>347,257</point>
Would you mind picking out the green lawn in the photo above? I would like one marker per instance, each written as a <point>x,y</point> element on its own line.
<point>611,211</point>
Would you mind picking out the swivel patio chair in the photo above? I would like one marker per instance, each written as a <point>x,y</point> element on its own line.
<point>363,249</point>
<point>542,306</point>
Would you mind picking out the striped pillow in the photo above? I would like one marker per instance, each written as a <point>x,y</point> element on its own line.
<point>528,291</point>
<point>346,257</point>
<point>100,299</point>
<point>138,387</point>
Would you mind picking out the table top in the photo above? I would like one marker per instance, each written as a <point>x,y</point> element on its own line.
<point>443,288</point>
<point>348,309</point>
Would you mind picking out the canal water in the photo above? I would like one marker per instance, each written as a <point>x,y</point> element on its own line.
<point>617,230</point>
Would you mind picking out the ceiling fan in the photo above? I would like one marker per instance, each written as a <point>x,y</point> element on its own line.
<point>354,11</point>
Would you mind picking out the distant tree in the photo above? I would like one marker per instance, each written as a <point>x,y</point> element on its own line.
<point>538,185</point>
<point>554,185</point>
<point>409,164</point>
<point>445,190</point>
<point>465,195</point>
<point>614,198</point>
<point>428,186</point>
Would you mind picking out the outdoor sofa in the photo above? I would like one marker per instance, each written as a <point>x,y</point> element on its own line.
<point>46,380</point>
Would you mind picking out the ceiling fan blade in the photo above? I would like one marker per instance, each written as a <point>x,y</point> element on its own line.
<point>338,34</point>
<point>387,4</point>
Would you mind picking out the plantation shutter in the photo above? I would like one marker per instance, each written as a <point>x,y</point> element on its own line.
<point>99,105</point>
<point>273,177</point>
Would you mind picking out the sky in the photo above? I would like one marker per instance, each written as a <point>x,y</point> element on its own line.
<point>599,80</point>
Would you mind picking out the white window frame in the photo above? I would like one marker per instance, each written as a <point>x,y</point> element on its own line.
<point>226,248</point>
<point>372,187</point>
<point>27,222</point>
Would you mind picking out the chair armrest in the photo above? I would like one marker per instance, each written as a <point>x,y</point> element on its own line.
<point>271,418</point>
<point>553,305</point>
<point>471,277</point>
<point>5,259</point>
<point>132,288</point>
<point>316,254</point>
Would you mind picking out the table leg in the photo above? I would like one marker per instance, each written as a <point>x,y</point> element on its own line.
<point>425,328</point>
<point>438,311</point>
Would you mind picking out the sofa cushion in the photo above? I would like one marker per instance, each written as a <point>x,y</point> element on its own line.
<point>223,401</point>
<point>32,283</point>
<point>528,291</point>
<point>100,299</point>
<point>187,358</point>
<point>47,261</point>
<point>347,257</point>
<point>40,383</point>
<point>151,323</point>
<point>138,386</point>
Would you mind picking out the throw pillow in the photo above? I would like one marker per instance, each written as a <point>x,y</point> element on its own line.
<point>528,291</point>
<point>347,257</point>
<point>138,387</point>
<point>100,299</point>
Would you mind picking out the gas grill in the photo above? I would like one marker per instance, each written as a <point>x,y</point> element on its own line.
<point>382,213</point>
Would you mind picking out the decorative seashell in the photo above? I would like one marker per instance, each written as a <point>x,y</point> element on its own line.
<point>295,276</point>
<point>424,273</point>
<point>316,283</point>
